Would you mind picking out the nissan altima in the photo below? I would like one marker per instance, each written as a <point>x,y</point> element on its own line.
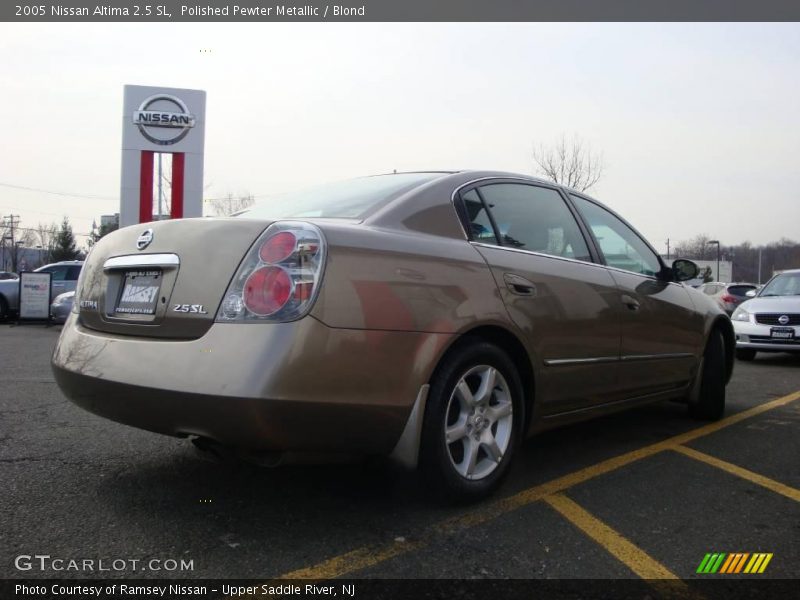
<point>770,322</point>
<point>438,318</point>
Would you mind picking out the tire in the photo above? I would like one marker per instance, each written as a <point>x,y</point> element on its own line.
<point>484,426</point>
<point>711,404</point>
<point>745,353</point>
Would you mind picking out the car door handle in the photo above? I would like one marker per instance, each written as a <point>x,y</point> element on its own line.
<point>519,285</point>
<point>630,302</point>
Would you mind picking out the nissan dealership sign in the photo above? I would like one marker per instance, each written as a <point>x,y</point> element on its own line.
<point>163,119</point>
<point>157,121</point>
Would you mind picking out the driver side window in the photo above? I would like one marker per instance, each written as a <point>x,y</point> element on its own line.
<point>621,246</point>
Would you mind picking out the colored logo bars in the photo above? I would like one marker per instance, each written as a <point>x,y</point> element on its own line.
<point>735,562</point>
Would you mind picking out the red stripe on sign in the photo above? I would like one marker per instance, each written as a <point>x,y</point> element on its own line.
<point>146,187</point>
<point>178,162</point>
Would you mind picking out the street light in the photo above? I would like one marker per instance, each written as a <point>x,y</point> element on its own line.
<point>717,243</point>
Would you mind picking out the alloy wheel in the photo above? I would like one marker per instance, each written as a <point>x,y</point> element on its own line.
<point>479,422</point>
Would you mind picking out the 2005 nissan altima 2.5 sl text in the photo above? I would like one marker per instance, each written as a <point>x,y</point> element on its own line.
<point>436,317</point>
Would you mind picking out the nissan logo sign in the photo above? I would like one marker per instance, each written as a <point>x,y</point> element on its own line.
<point>163,119</point>
<point>143,241</point>
<point>783,319</point>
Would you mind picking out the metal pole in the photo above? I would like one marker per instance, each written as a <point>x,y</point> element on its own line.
<point>159,186</point>
<point>759,266</point>
<point>718,279</point>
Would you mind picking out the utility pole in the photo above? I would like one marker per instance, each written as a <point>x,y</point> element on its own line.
<point>667,248</point>
<point>10,221</point>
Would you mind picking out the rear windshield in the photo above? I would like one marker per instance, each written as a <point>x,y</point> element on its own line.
<point>740,290</point>
<point>351,199</point>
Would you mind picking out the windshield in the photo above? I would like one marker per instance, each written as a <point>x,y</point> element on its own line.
<point>351,199</point>
<point>785,284</point>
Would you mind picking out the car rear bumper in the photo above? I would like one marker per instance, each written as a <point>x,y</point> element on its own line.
<point>298,386</point>
<point>755,336</point>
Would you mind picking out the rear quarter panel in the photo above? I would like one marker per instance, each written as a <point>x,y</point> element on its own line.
<point>402,281</point>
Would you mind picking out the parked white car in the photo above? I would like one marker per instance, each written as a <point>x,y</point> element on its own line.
<point>770,322</point>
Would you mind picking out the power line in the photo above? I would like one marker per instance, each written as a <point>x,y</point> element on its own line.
<point>34,230</point>
<point>30,189</point>
<point>41,212</point>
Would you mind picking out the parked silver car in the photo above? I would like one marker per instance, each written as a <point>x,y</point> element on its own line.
<point>64,277</point>
<point>770,322</point>
<point>61,307</point>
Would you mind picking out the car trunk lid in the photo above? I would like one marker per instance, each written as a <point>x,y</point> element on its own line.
<point>163,279</point>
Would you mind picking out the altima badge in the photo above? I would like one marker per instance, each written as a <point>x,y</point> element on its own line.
<point>143,241</point>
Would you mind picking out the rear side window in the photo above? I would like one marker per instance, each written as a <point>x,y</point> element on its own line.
<point>480,226</point>
<point>73,273</point>
<point>533,218</point>
<point>621,246</point>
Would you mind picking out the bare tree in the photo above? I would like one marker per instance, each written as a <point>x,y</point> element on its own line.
<point>696,248</point>
<point>46,238</point>
<point>569,162</point>
<point>16,251</point>
<point>230,204</point>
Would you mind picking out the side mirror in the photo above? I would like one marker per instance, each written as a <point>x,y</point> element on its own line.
<point>751,293</point>
<point>684,270</point>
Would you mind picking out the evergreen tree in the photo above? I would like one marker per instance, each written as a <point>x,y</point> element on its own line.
<point>65,247</point>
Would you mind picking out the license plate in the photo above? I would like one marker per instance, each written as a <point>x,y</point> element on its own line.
<point>782,333</point>
<point>139,293</point>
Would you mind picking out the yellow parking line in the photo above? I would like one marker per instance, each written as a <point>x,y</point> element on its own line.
<point>343,564</point>
<point>770,484</point>
<point>633,557</point>
<point>368,556</point>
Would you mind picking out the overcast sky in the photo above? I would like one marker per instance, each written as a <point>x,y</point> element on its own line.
<point>699,124</point>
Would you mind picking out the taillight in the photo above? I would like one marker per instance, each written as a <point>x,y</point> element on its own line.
<point>279,277</point>
<point>728,298</point>
<point>267,290</point>
<point>278,247</point>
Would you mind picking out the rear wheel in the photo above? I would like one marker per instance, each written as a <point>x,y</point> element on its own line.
<point>745,353</point>
<point>711,403</point>
<point>473,422</point>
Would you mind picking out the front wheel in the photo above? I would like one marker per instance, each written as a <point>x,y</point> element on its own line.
<point>473,422</point>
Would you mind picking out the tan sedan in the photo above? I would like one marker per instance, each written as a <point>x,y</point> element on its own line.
<point>438,318</point>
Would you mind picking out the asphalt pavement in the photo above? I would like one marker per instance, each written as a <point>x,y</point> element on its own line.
<point>646,493</point>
